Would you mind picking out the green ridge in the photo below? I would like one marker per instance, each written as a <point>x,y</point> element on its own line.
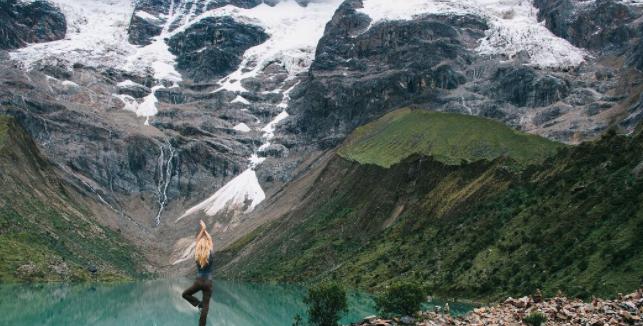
<point>477,230</point>
<point>450,138</point>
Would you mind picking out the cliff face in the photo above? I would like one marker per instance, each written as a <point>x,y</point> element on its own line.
<point>29,22</point>
<point>49,232</point>
<point>440,61</point>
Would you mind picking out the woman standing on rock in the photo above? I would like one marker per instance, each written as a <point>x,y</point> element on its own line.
<point>204,256</point>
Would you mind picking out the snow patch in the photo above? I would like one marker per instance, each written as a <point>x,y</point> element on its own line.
<point>240,99</point>
<point>96,35</point>
<point>242,191</point>
<point>69,83</point>
<point>242,127</point>
<point>514,27</point>
<point>294,33</point>
<point>147,16</point>
<point>128,83</point>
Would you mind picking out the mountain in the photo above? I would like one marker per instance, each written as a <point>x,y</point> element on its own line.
<point>167,112</point>
<point>478,228</point>
<point>49,233</point>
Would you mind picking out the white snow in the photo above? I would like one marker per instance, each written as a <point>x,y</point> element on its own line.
<point>241,191</point>
<point>242,127</point>
<point>147,16</point>
<point>187,253</point>
<point>96,34</point>
<point>240,99</point>
<point>97,37</point>
<point>294,33</point>
<point>128,83</point>
<point>514,27</point>
<point>130,103</point>
<point>69,83</point>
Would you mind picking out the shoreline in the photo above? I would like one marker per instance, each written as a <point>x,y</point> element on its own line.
<point>624,310</point>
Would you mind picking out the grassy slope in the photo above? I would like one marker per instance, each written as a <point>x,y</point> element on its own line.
<point>450,138</point>
<point>479,230</point>
<point>41,224</point>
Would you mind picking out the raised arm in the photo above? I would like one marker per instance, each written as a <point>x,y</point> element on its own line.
<point>201,232</point>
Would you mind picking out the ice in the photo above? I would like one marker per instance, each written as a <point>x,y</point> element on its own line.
<point>96,35</point>
<point>294,33</point>
<point>242,127</point>
<point>128,83</point>
<point>514,27</point>
<point>242,191</point>
<point>147,16</point>
<point>240,99</point>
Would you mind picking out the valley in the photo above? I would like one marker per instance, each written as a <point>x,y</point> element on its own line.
<point>482,149</point>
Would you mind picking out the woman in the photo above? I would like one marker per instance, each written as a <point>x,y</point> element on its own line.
<point>204,257</point>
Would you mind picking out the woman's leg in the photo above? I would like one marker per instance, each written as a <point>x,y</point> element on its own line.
<point>207,293</point>
<point>189,293</point>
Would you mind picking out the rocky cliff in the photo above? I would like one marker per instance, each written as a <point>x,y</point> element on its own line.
<point>29,22</point>
<point>49,230</point>
<point>172,111</point>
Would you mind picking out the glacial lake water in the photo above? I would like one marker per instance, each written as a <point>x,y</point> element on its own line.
<point>159,303</point>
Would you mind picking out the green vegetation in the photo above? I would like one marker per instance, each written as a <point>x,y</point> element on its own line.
<point>535,318</point>
<point>403,298</point>
<point>480,230</point>
<point>450,138</point>
<point>326,303</point>
<point>46,235</point>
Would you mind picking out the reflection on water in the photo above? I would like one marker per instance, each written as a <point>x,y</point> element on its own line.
<point>157,303</point>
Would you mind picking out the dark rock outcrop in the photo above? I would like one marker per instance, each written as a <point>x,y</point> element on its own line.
<point>359,74</point>
<point>29,22</point>
<point>141,30</point>
<point>599,25</point>
<point>521,86</point>
<point>213,47</point>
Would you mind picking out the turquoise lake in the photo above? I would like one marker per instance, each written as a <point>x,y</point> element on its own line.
<point>159,303</point>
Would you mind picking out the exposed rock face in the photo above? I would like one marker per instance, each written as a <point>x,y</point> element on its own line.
<point>29,22</point>
<point>213,47</point>
<point>522,86</point>
<point>362,71</point>
<point>596,25</point>
<point>357,75</point>
<point>145,25</point>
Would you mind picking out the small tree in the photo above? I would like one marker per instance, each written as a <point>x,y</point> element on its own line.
<point>326,303</point>
<point>535,318</point>
<point>403,298</point>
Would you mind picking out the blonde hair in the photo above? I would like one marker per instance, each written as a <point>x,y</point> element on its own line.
<point>202,251</point>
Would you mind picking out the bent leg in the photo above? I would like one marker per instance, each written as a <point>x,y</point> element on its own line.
<point>188,294</point>
<point>207,293</point>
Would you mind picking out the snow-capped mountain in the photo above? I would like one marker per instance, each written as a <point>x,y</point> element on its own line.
<point>167,111</point>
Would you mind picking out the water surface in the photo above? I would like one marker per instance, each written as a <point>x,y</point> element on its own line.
<point>159,303</point>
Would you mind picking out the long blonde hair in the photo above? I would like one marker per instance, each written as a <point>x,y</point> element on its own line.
<point>202,251</point>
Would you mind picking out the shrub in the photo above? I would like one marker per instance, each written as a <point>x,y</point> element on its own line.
<point>298,321</point>
<point>403,298</point>
<point>535,318</point>
<point>326,303</point>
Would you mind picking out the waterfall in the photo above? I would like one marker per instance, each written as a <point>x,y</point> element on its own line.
<point>164,178</point>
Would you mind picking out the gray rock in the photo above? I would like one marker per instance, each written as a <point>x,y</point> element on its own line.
<point>23,22</point>
<point>213,47</point>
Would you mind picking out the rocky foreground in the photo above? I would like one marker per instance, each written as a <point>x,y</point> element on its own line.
<point>625,310</point>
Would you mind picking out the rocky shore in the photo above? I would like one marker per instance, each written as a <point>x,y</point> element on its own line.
<point>560,310</point>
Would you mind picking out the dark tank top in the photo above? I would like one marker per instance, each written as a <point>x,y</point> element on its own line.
<point>206,271</point>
